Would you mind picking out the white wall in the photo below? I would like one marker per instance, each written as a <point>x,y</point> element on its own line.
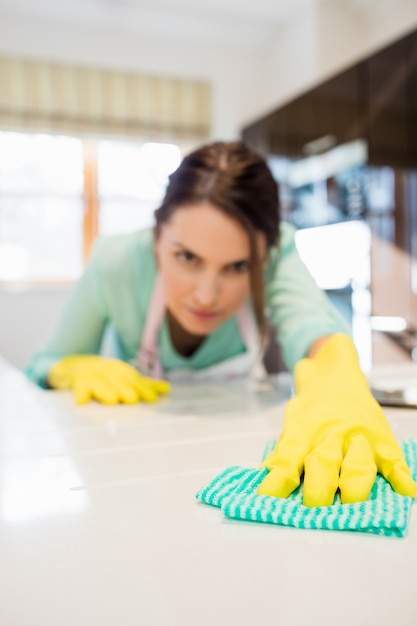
<point>247,80</point>
<point>26,319</point>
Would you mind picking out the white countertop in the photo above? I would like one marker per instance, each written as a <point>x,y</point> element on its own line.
<point>99,525</point>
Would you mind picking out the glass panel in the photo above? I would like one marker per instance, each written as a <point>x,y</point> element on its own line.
<point>121,216</point>
<point>132,180</point>
<point>40,238</point>
<point>41,210</point>
<point>139,170</point>
<point>41,163</point>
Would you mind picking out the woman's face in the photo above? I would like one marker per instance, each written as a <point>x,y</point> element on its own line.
<point>204,260</point>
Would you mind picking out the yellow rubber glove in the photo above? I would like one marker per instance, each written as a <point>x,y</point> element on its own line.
<point>108,381</point>
<point>335,432</point>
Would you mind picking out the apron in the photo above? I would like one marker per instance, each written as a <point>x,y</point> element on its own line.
<point>148,363</point>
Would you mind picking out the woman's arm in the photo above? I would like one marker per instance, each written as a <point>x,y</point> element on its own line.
<point>316,345</point>
<point>115,289</point>
<point>299,310</point>
<point>79,330</point>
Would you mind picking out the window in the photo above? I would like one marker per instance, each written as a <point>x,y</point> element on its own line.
<point>131,183</point>
<point>41,207</point>
<point>58,193</point>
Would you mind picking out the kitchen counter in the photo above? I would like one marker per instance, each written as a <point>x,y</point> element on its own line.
<point>99,524</point>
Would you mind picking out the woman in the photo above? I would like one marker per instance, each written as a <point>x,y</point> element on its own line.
<point>190,299</point>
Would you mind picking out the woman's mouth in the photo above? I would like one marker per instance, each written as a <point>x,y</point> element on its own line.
<point>203,315</point>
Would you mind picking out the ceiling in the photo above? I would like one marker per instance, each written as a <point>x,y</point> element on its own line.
<point>234,21</point>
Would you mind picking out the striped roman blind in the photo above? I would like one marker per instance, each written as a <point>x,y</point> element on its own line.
<point>53,97</point>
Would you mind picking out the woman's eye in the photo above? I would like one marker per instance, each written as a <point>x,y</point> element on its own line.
<point>186,257</point>
<point>240,267</point>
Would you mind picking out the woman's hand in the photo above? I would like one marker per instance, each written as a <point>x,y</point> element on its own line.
<point>109,381</point>
<point>335,432</point>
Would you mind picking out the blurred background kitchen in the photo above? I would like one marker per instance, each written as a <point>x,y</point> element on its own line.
<point>99,99</point>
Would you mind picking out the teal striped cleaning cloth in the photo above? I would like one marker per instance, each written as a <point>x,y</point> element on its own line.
<point>384,513</point>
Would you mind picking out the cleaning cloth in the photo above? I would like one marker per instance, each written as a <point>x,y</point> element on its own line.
<point>384,513</point>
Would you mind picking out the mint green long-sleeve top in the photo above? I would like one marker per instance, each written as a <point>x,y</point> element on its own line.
<point>116,287</point>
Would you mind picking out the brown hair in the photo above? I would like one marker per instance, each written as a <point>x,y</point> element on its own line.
<point>237,180</point>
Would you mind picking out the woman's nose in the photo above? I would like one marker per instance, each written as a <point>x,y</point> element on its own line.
<point>207,290</point>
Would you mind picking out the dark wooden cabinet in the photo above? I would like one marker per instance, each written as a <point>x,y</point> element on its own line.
<point>336,107</point>
<point>387,85</point>
<point>411,68</point>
